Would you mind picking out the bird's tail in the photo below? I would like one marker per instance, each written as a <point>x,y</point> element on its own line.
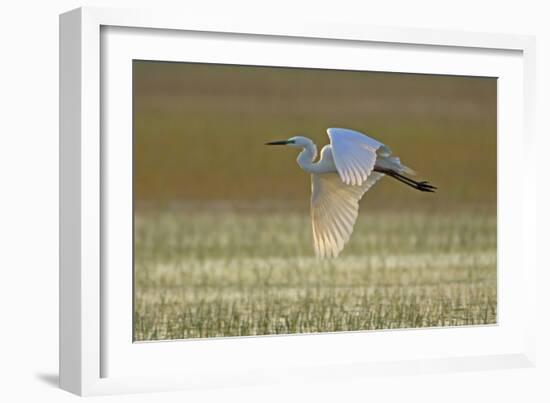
<point>399,167</point>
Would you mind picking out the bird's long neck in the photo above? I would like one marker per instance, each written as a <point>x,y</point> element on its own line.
<point>307,156</point>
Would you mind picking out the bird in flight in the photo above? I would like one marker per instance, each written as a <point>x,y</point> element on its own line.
<point>347,168</point>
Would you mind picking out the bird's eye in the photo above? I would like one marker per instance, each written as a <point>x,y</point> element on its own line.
<point>291,141</point>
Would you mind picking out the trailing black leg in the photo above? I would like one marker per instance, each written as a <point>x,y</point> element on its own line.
<point>423,186</point>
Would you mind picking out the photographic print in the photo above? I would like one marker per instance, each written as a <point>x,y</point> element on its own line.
<point>275,200</point>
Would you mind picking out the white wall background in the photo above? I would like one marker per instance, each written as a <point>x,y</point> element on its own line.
<point>29,188</point>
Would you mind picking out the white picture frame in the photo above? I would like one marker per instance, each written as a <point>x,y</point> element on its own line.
<point>96,354</point>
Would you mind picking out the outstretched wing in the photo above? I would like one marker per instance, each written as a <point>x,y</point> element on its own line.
<point>334,208</point>
<point>354,154</point>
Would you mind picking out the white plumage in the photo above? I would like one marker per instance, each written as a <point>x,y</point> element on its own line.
<point>348,167</point>
<point>334,210</point>
<point>354,154</point>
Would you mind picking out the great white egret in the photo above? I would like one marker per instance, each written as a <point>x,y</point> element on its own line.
<point>348,167</point>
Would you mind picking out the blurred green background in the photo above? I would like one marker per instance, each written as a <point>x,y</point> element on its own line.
<point>199,131</point>
<point>223,243</point>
